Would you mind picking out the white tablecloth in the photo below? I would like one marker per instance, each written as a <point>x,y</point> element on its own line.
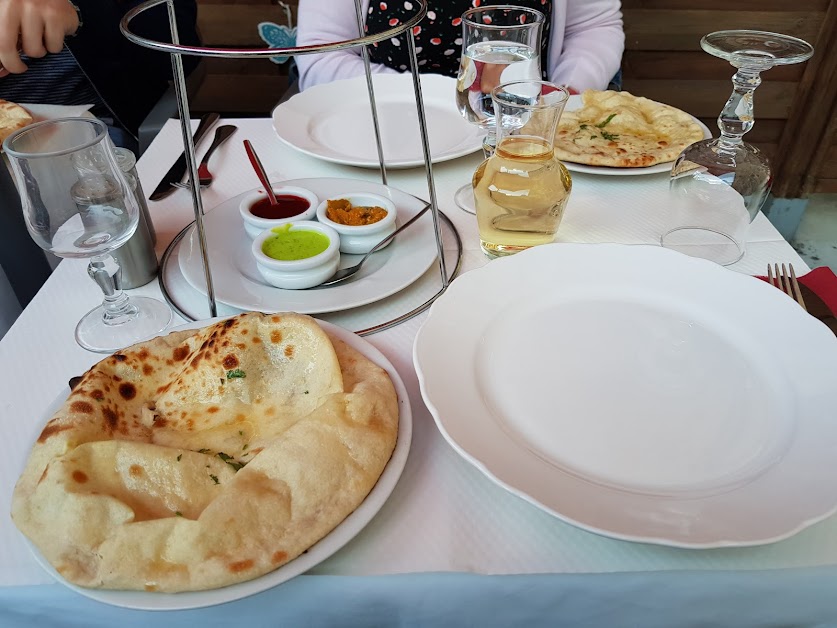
<point>444,515</point>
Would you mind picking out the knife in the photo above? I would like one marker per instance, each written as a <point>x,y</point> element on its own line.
<point>178,170</point>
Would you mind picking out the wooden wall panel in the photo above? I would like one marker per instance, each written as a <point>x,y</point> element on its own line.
<point>657,29</point>
<point>239,86</point>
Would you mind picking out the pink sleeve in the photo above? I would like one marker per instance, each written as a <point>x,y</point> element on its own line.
<point>328,21</point>
<point>593,42</point>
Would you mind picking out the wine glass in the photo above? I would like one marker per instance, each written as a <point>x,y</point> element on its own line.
<point>718,185</point>
<point>500,44</point>
<point>77,204</point>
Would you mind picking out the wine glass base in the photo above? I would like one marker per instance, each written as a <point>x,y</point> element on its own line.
<point>704,243</point>
<point>93,334</point>
<point>465,200</point>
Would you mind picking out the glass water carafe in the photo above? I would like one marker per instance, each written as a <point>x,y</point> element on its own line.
<point>521,191</point>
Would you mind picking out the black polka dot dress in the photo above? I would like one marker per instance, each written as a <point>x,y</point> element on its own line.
<point>438,36</point>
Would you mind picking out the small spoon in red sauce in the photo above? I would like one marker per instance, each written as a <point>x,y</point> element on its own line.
<point>257,166</point>
<point>286,206</point>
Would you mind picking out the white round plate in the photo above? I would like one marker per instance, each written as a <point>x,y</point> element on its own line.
<point>324,548</point>
<point>237,281</point>
<point>576,102</point>
<point>333,121</point>
<point>637,393</point>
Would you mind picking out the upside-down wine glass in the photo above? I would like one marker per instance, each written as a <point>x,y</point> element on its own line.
<point>718,185</point>
<point>77,204</point>
<point>500,44</point>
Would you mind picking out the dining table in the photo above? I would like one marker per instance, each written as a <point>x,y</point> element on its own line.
<point>449,547</point>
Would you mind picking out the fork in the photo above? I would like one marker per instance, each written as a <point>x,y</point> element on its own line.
<point>205,178</point>
<point>786,282</point>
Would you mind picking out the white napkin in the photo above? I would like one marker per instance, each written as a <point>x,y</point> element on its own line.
<point>51,112</point>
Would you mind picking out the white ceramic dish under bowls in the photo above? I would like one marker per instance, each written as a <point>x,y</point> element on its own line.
<point>360,239</point>
<point>301,273</point>
<point>254,225</point>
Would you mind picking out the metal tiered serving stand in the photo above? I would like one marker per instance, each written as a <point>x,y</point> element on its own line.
<point>177,50</point>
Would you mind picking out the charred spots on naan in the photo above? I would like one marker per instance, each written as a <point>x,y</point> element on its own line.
<point>136,471</point>
<point>230,362</point>
<point>119,357</point>
<point>276,336</point>
<point>127,391</point>
<point>111,419</point>
<point>180,353</point>
<point>289,351</point>
<point>159,421</point>
<point>147,369</point>
<point>82,407</point>
<point>80,476</point>
<point>241,565</point>
<point>212,409</point>
<point>279,557</point>
<point>275,319</point>
<point>52,428</point>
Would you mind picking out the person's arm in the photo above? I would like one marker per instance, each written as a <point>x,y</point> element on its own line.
<point>35,27</point>
<point>593,44</point>
<point>329,21</point>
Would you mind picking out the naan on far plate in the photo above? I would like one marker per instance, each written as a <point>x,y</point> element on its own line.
<point>621,130</point>
<point>209,457</point>
<point>12,118</point>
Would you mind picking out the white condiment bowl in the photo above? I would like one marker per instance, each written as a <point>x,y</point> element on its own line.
<point>254,225</point>
<point>302,273</point>
<point>361,238</point>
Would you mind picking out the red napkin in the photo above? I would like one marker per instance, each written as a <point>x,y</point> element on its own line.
<point>819,289</point>
<point>823,282</point>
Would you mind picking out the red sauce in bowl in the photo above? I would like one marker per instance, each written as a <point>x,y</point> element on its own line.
<point>287,206</point>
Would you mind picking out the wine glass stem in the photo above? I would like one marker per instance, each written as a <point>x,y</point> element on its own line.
<point>489,142</point>
<point>116,307</point>
<point>737,117</point>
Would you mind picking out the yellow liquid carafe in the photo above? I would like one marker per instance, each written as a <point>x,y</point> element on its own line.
<point>521,191</point>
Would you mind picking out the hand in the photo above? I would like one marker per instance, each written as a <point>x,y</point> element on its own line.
<point>34,27</point>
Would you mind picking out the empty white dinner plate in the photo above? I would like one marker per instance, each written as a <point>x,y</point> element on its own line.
<point>576,102</point>
<point>638,393</point>
<point>333,121</point>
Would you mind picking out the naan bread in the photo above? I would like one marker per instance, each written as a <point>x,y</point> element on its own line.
<point>621,130</point>
<point>12,118</point>
<point>201,459</point>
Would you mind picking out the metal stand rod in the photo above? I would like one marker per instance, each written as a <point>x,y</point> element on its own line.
<point>428,166</point>
<point>176,50</point>
<point>191,159</point>
<point>364,53</point>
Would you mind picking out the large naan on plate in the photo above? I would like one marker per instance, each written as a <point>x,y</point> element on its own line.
<point>621,130</point>
<point>204,458</point>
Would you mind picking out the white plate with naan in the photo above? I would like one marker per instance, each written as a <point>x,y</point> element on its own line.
<point>316,554</point>
<point>333,122</point>
<point>575,102</point>
<point>646,395</point>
